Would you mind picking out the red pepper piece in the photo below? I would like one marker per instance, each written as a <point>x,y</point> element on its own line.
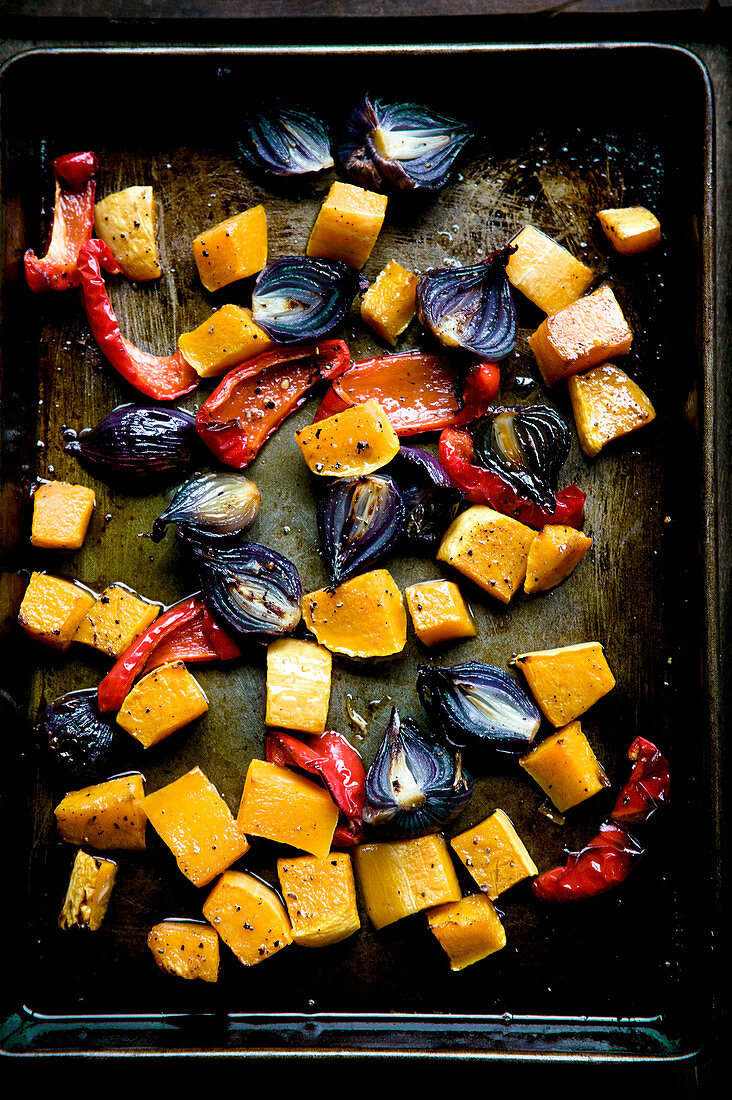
<point>647,786</point>
<point>201,639</point>
<point>252,400</point>
<point>602,864</point>
<point>338,764</point>
<point>164,378</point>
<point>72,226</point>
<point>482,486</point>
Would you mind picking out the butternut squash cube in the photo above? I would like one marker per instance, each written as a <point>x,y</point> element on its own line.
<point>630,229</point>
<point>357,441</point>
<point>89,891</point>
<point>468,930</point>
<point>52,608</point>
<point>488,548</point>
<point>162,702</point>
<point>548,274</point>
<point>553,555</point>
<point>187,948</point>
<point>61,514</point>
<point>607,405</point>
<point>494,854</point>
<point>105,815</point>
<point>191,817</point>
<point>116,618</point>
<point>127,221</point>
<point>282,805</point>
<point>363,617</point>
<point>348,224</point>
<point>249,917</point>
<point>227,338</point>
<point>565,767</point>
<point>320,895</point>
<point>583,334</point>
<point>389,304</point>
<point>439,612</point>
<point>234,249</point>
<point>298,685</point>
<point>566,682</point>
<point>401,877</point>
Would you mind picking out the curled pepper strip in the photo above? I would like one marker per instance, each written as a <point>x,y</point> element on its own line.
<point>335,760</point>
<point>164,378</point>
<point>601,865</point>
<point>201,639</point>
<point>72,226</point>
<point>482,486</point>
<point>647,787</point>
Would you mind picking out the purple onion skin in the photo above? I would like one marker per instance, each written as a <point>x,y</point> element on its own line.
<point>431,500</point>
<point>140,442</point>
<point>77,739</point>
<point>324,291</point>
<point>351,546</point>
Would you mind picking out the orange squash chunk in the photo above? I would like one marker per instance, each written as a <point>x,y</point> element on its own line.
<point>566,682</point>
<point>162,702</point>
<point>590,331</point>
<point>249,917</point>
<point>282,805</point>
<point>298,685</point>
<point>227,338</point>
<point>357,441</point>
<point>548,274</point>
<point>191,817</point>
<point>52,608</point>
<point>363,617</point>
<point>402,877</point>
<point>89,892</point>
<point>607,405</point>
<point>566,768</point>
<point>232,250</point>
<point>105,815</point>
<point>489,549</point>
<point>187,948</point>
<point>320,895</point>
<point>61,514</point>
<point>468,930</point>
<point>439,612</point>
<point>389,304</point>
<point>494,854</point>
<point>115,620</point>
<point>630,229</point>
<point>127,223</point>
<point>553,555</point>
<point>348,224</point>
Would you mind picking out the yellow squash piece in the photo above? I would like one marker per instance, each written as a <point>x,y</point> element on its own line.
<point>127,221</point>
<point>191,817</point>
<point>115,620</point>
<point>88,893</point>
<point>249,917</point>
<point>61,514</point>
<point>468,930</point>
<point>590,331</point>
<point>320,895</point>
<point>363,617</point>
<point>227,338</point>
<point>630,229</point>
<point>439,612</point>
<point>105,815</point>
<point>488,548</point>
<point>298,685</point>
<point>282,805</point>
<point>607,405</point>
<point>162,702</point>
<point>232,250</point>
<point>187,948</point>
<point>548,274</point>
<point>566,682</point>
<point>553,555</point>
<point>356,441</point>
<point>402,877</point>
<point>52,608</point>
<point>348,224</point>
<point>494,854</point>
<point>566,768</point>
<point>389,304</point>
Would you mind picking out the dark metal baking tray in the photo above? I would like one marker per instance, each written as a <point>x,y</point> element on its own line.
<point>565,130</point>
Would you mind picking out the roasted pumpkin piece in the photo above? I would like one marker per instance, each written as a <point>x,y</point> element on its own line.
<point>348,223</point>
<point>583,334</point>
<point>553,555</point>
<point>363,617</point>
<point>282,805</point>
<point>115,619</point>
<point>187,948</point>
<point>105,815</point>
<point>439,612</point>
<point>191,817</point>
<point>402,877</point>
<point>565,767</point>
<point>548,274</point>
<point>607,405</point>
<point>468,930</point>
<point>494,854</point>
<point>227,338</point>
<point>89,891</point>
<point>127,223</point>
<point>52,608</point>
<point>389,304</point>
<point>320,895</point>
<point>566,682</point>
<point>298,685</point>
<point>162,702</point>
<point>249,917</point>
<point>489,549</point>
<point>61,514</point>
<point>357,441</point>
<point>232,250</point>
<point>630,229</point>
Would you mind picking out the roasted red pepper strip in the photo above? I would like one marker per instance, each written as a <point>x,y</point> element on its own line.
<point>164,378</point>
<point>601,865</point>
<point>252,400</point>
<point>338,764</point>
<point>647,786</point>
<point>73,225</point>
<point>200,639</point>
<point>482,486</point>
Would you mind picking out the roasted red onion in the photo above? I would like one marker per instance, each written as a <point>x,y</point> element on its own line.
<point>220,504</point>
<point>360,520</point>
<point>78,740</point>
<point>431,500</point>
<point>298,299</point>
<point>281,140</point>
<point>144,442</point>
<point>527,447</point>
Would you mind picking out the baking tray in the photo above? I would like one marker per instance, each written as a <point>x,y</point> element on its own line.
<point>565,131</point>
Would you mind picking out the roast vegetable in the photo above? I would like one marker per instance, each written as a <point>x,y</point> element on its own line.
<point>630,229</point>
<point>79,741</point>
<point>115,619</point>
<point>88,893</point>
<point>187,948</point>
<point>299,298</point>
<point>490,549</point>
<point>282,140</point>
<point>363,617</point>
<point>566,682</point>
<point>430,497</point>
<point>548,274</point>
<point>607,405</point>
<point>162,702</point>
<point>360,520</point>
<point>320,895</point>
<point>591,330</point>
<point>565,767</point>
<point>298,685</point>
<point>604,863</point>
<point>138,443</point>
<point>249,917</point>
<point>224,340</point>
<point>494,854</point>
<point>232,250</point>
<point>72,227</point>
<point>439,612</point>
<point>52,608</point>
<point>359,440</point>
<point>61,514</point>
<point>216,504</point>
<point>553,555</point>
<point>282,805</point>
<point>390,303</point>
<point>400,877</point>
<point>105,815</point>
<point>347,225</point>
<point>527,447</point>
<point>468,930</point>
<point>126,221</point>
